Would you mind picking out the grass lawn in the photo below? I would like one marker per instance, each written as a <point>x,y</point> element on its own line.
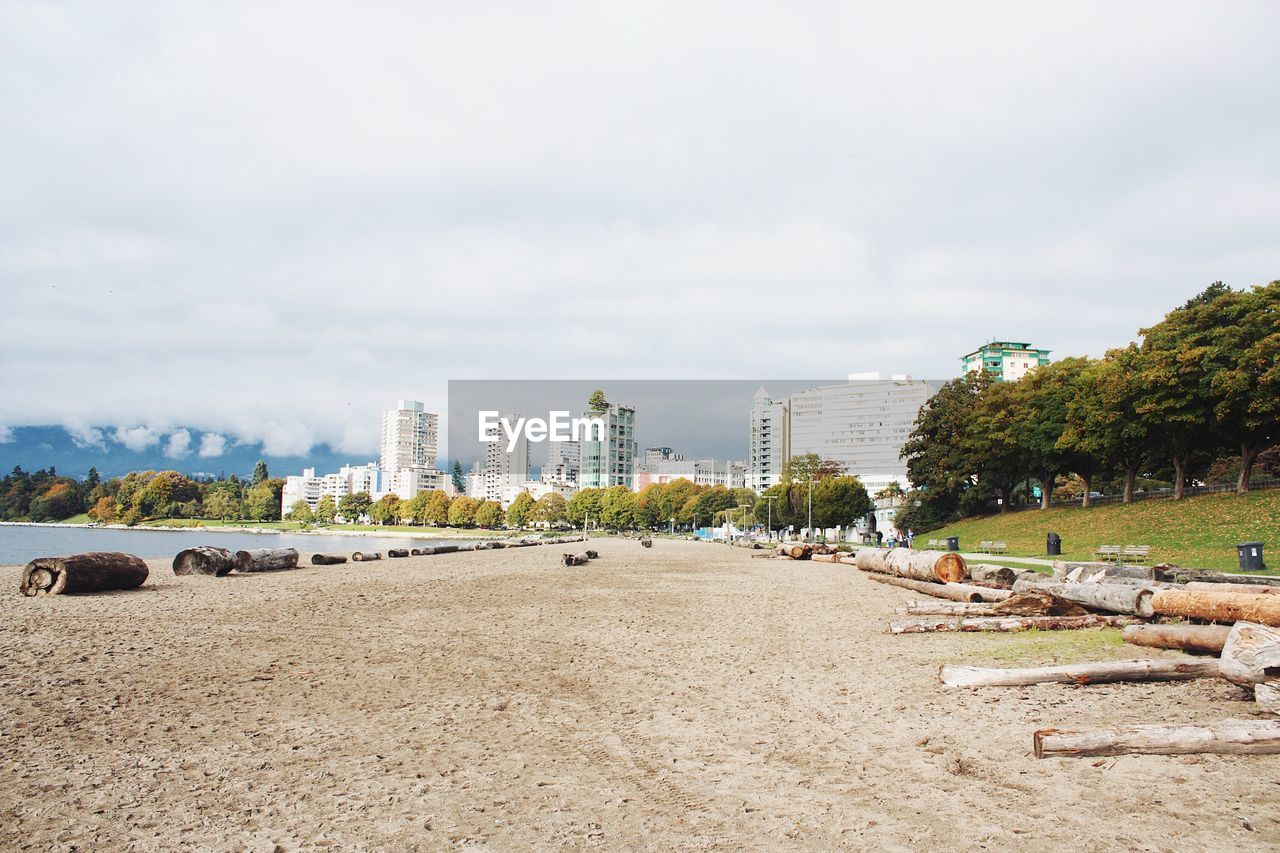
<point>82,518</point>
<point>1041,648</point>
<point>1195,532</point>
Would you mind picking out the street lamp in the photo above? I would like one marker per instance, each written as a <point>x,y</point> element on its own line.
<point>770,499</point>
<point>744,508</point>
<point>673,525</point>
<point>810,507</point>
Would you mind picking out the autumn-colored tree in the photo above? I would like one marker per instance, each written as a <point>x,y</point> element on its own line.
<point>462,512</point>
<point>520,512</point>
<point>326,510</point>
<point>551,508</point>
<point>489,514</point>
<point>104,510</point>
<point>438,508</point>
<point>301,512</point>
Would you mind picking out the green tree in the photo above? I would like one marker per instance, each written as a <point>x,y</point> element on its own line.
<point>92,478</point>
<point>301,512</point>
<point>260,474</point>
<point>551,508</point>
<point>1046,393</point>
<point>326,510</point>
<point>354,505</point>
<point>597,402</point>
<point>648,501</point>
<point>489,514</point>
<point>1103,419</point>
<point>839,501</point>
<point>584,503</point>
<point>459,482</point>
<point>222,504</point>
<point>462,512</point>
<point>671,502</point>
<point>262,502</point>
<point>415,509</point>
<point>438,508</point>
<point>618,508</point>
<point>386,510</point>
<point>992,447</point>
<point>520,512</point>
<point>807,466</point>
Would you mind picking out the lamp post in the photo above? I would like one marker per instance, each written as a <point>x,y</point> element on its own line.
<point>744,508</point>
<point>811,508</point>
<point>673,525</point>
<point>770,499</point>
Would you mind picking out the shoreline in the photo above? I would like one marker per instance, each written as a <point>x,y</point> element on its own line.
<point>377,534</point>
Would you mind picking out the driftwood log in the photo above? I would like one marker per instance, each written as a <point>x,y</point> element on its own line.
<point>1063,569</point>
<point>397,552</point>
<point>1267,697</point>
<point>96,571</point>
<point>946,608</point>
<point>574,559</point>
<point>1038,602</point>
<point>365,556</point>
<point>951,591</point>
<point>826,558</point>
<point>327,559</point>
<point>266,559</point>
<point>1226,606</point>
<point>1006,623</point>
<point>1160,669</point>
<point>592,555</point>
<point>440,549</point>
<point>1187,576</point>
<point>1002,575</point>
<point>1251,654</point>
<point>1111,597</point>
<point>1188,638</point>
<point>935,566</point>
<point>1229,737</point>
<point>1255,588</point>
<point>204,560</point>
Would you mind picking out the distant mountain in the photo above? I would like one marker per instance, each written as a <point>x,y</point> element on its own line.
<point>35,447</point>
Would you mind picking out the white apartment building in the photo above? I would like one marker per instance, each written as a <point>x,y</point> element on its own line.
<point>700,472</point>
<point>654,455</point>
<point>611,462</point>
<point>474,483</point>
<point>767,444</point>
<point>504,468</point>
<point>564,463</point>
<point>536,489</point>
<point>409,437</point>
<point>862,424</point>
<point>348,480</point>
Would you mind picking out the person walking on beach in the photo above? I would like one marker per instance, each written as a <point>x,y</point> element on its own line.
<point>911,536</point>
<point>879,538</point>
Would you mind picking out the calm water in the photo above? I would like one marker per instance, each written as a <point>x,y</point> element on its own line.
<point>20,544</point>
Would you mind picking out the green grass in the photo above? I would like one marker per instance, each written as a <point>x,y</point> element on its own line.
<point>82,518</point>
<point>1041,648</point>
<point>1195,532</point>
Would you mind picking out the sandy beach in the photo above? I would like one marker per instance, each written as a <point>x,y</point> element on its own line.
<point>684,696</point>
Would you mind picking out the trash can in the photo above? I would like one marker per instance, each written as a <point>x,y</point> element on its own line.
<point>953,543</point>
<point>1250,554</point>
<point>1053,544</point>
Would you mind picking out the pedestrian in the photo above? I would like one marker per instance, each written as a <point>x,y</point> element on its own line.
<point>879,538</point>
<point>911,535</point>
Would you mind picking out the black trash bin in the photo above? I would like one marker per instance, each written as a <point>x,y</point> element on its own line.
<point>1053,544</point>
<point>1250,554</point>
<point>953,543</point>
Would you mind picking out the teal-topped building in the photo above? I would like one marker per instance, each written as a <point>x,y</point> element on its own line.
<point>1005,360</point>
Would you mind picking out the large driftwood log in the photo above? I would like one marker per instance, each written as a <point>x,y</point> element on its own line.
<point>96,571</point>
<point>266,559</point>
<point>575,559</point>
<point>204,560</point>
<point>1227,606</point>
<point>872,560</point>
<point>826,558</point>
<point>1062,569</point>
<point>1267,697</point>
<point>1177,575</point>
<point>397,552</point>
<point>365,556</point>
<point>1255,588</point>
<point>1229,737</point>
<point>440,549</point>
<point>1251,654</point>
<point>646,542</point>
<point>1188,638</point>
<point>952,591</point>
<point>937,566</point>
<point>1006,623</point>
<point>1080,673</point>
<point>1113,598</point>
<point>993,574</point>
<point>946,608</point>
<point>1038,602</point>
<point>327,559</point>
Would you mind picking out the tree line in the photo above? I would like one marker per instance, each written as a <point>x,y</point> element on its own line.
<point>1197,400</point>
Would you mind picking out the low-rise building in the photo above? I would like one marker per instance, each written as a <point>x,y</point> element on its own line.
<point>1005,360</point>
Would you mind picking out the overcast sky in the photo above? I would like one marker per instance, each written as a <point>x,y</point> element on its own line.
<point>268,221</point>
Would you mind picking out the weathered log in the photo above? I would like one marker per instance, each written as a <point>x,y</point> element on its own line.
<point>992,574</point>
<point>1038,602</point>
<point>1113,598</point>
<point>1251,654</point>
<point>937,566</point>
<point>952,591</point>
<point>204,560</point>
<point>574,559</point>
<point>1227,606</point>
<point>1061,569</point>
<point>872,560</point>
<point>1254,588</point>
<point>440,549</point>
<point>96,571</point>
<point>327,559</point>
<point>946,608</point>
<point>1229,737</point>
<point>1267,698</point>
<point>417,552</point>
<point>591,555</point>
<point>397,552</point>
<point>1160,669</point>
<point>365,556</point>
<point>826,558</point>
<point>646,542</point>
<point>266,559</point>
<point>1188,638</point>
<point>798,551</point>
<point>1006,623</point>
<point>1187,576</point>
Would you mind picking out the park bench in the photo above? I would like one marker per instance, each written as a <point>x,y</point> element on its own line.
<point>999,548</point>
<point>984,547</point>
<point>1136,553</point>
<point>1108,553</point>
<point>933,543</point>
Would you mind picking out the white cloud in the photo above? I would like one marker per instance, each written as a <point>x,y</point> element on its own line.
<point>212,445</point>
<point>137,438</point>
<point>83,435</point>
<point>6,434</point>
<point>179,445</point>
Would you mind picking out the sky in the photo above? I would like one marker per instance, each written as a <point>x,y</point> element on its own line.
<point>266,222</point>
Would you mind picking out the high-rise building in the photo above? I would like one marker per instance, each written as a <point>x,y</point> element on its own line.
<point>409,437</point>
<point>861,424</point>
<point>767,442</point>
<point>1005,360</point>
<point>564,463</point>
<point>504,468</point>
<point>610,462</point>
<point>654,455</point>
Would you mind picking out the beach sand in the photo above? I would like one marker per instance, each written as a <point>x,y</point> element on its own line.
<point>682,696</point>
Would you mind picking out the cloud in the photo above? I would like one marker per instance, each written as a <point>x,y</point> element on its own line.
<point>6,434</point>
<point>83,435</point>
<point>212,445</point>
<point>179,445</point>
<point>137,438</point>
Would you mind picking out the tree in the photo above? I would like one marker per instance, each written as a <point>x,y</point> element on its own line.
<point>415,509</point>
<point>104,510</point>
<point>647,513</point>
<point>92,478</point>
<point>1103,419</point>
<point>584,503</point>
<point>438,508</point>
<point>618,508</point>
<point>596,402</point>
<point>260,474</point>
<point>992,446</point>
<point>301,512</point>
<point>459,482</point>
<point>354,505</point>
<point>839,501</point>
<point>222,504</point>
<point>520,512</point>
<point>809,466</point>
<point>326,510</point>
<point>489,514</point>
<point>893,490</point>
<point>671,501</point>
<point>462,512</point>
<point>1045,393</point>
<point>262,502</point>
<point>60,500</point>
<point>386,509</point>
<point>709,502</point>
<point>551,508</point>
